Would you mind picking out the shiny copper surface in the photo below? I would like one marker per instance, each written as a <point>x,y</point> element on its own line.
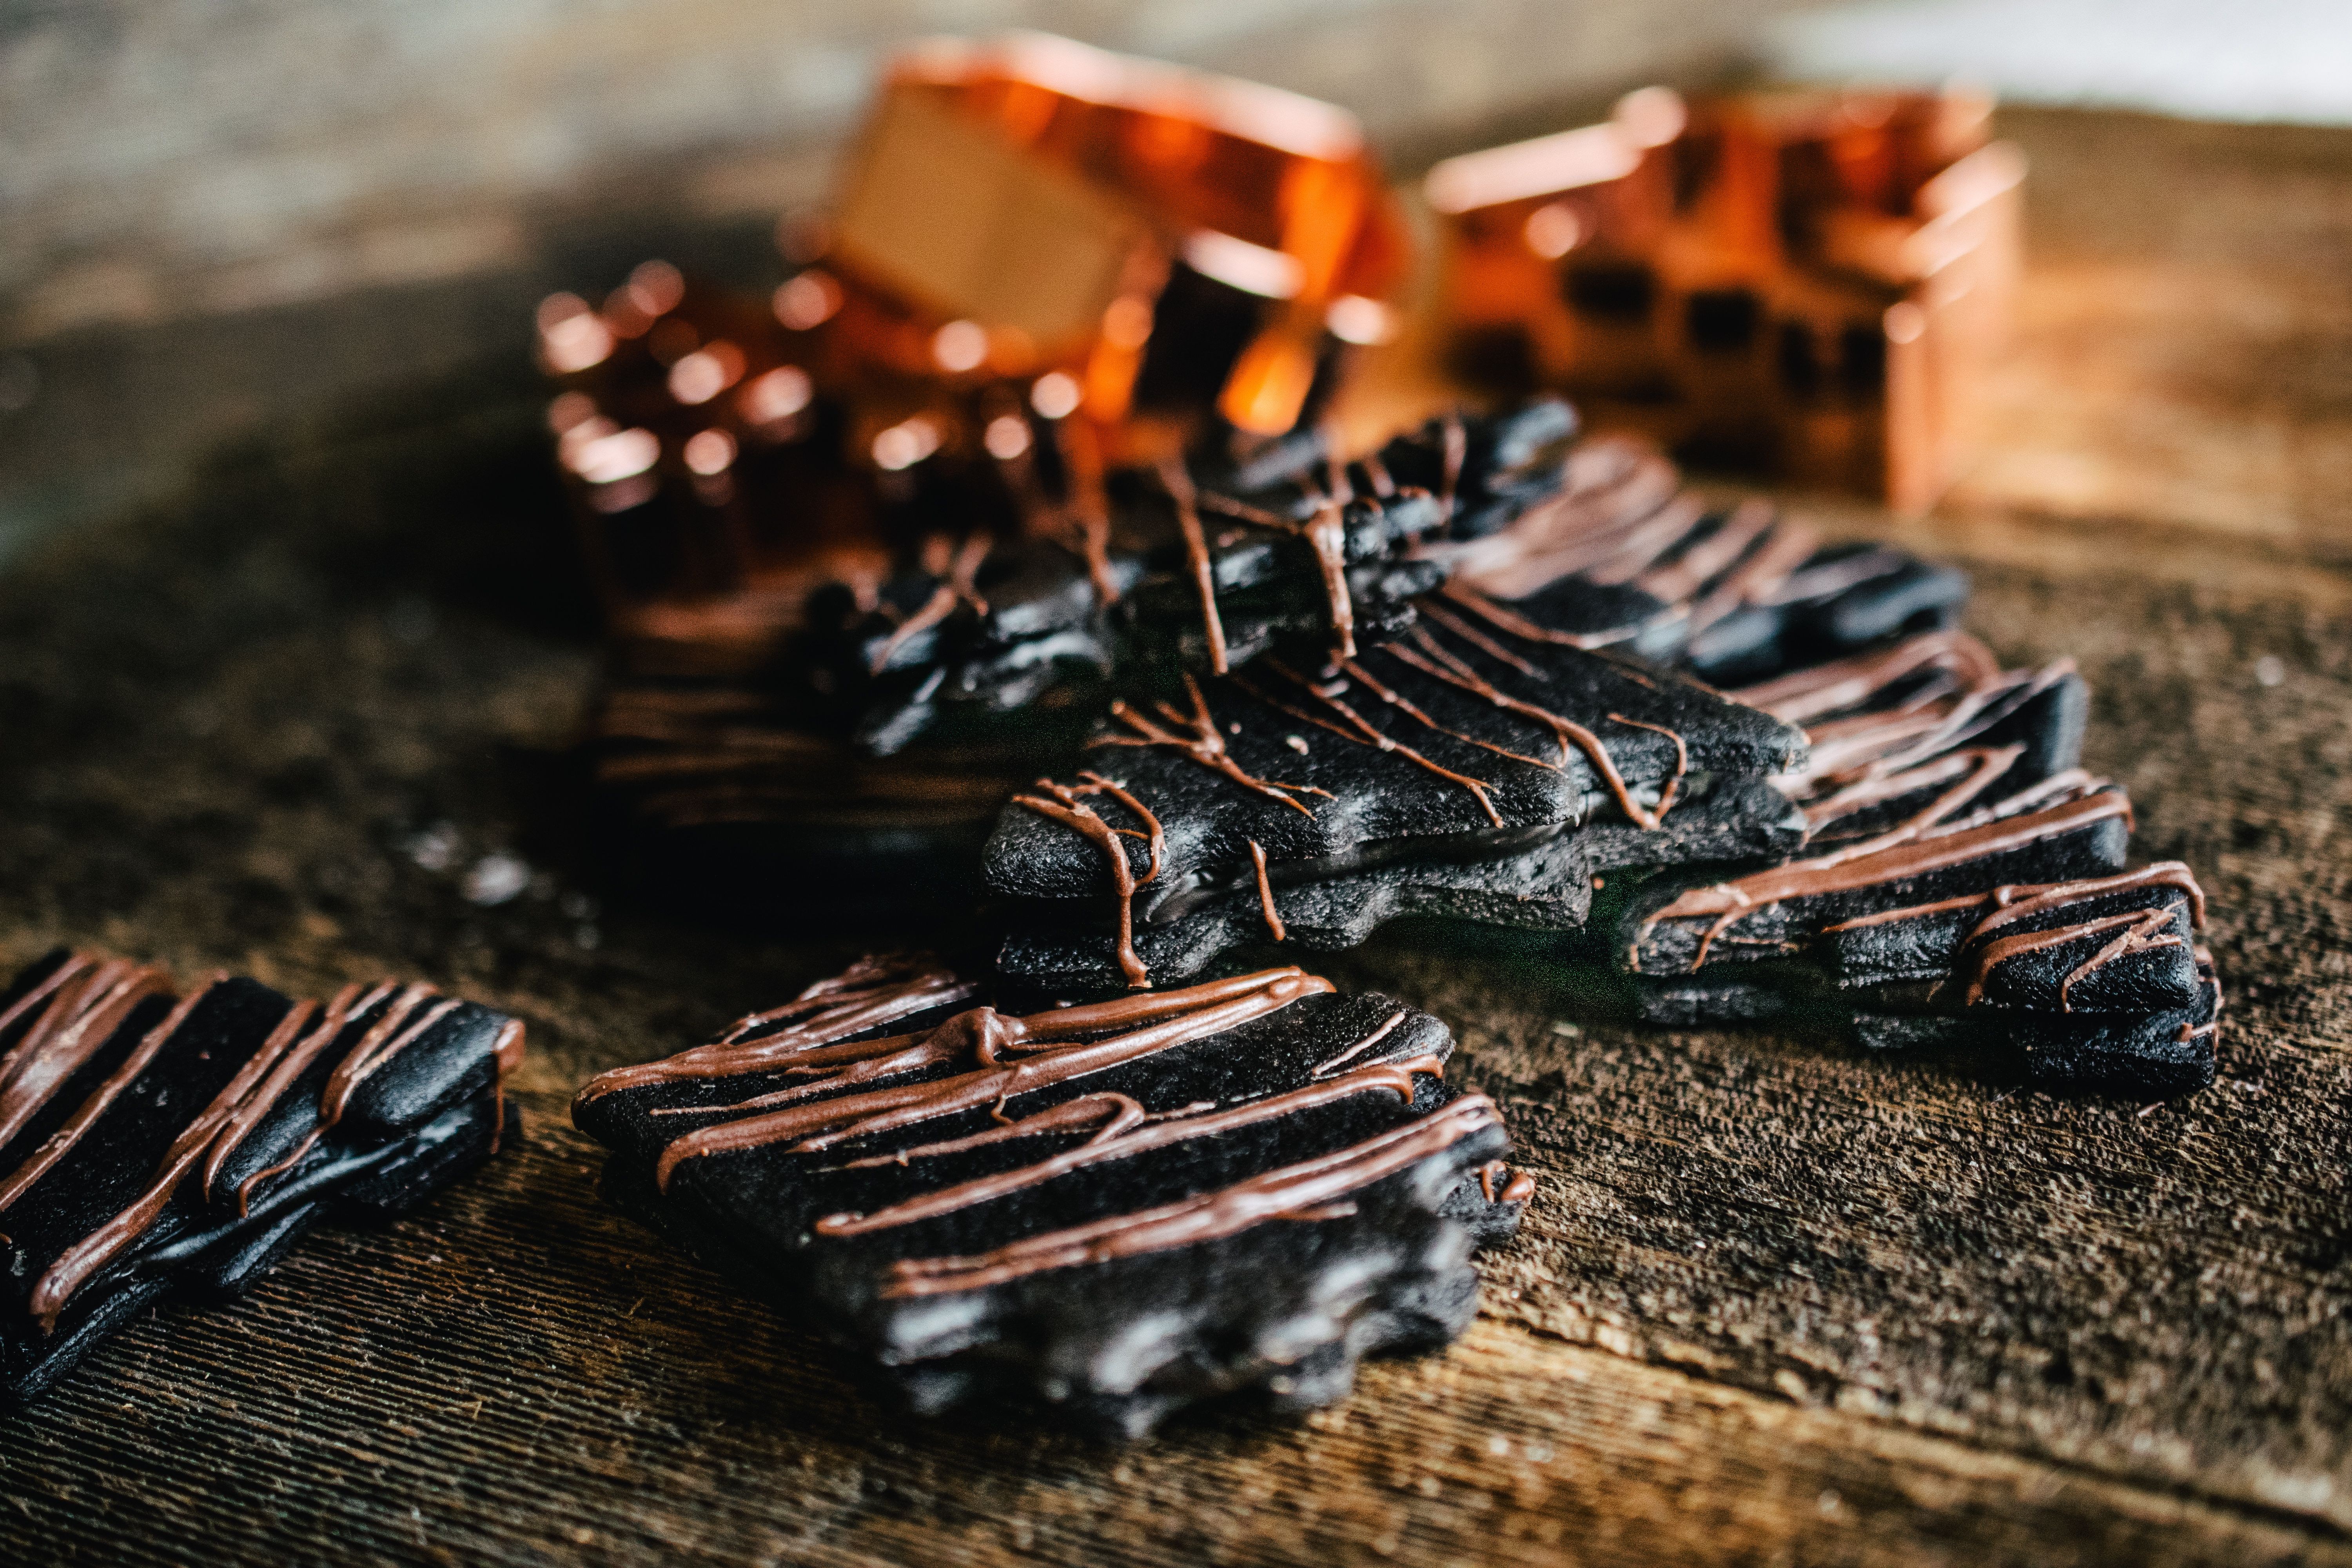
<point>1810,285</point>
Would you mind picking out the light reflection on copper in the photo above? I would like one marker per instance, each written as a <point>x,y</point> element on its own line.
<point>623,494</point>
<point>1552,230</point>
<point>1126,323</point>
<point>960,346</point>
<point>1055,395</point>
<point>1007,437</point>
<point>656,287</point>
<point>705,373</point>
<point>570,336</point>
<point>1353,318</point>
<point>570,409</point>
<point>779,395</point>
<point>904,445</point>
<point>579,434</point>
<point>710,451</point>
<point>1253,268</point>
<point>602,459</point>
<point>623,315</point>
<point>807,301</point>
<point>672,339</point>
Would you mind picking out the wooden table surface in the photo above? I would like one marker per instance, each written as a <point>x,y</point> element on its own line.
<point>1777,1302</point>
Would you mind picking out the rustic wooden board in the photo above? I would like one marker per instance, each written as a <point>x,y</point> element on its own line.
<point>1778,1301</point>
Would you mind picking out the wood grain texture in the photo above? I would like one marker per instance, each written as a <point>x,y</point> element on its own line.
<point>1778,1300</point>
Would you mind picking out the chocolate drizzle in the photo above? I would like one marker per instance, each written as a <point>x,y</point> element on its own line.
<point>1849,683</point>
<point>1307,1192</point>
<point>1089,510</point>
<point>958,589</point>
<point>88,999</point>
<point>58,1144</point>
<point>2140,930</point>
<point>991,1038</point>
<point>1062,804</point>
<point>871,993</point>
<point>1454,671</point>
<point>1126,1134</point>
<point>1725,903</point>
<point>1519,626</point>
<point>1179,485</point>
<point>1196,735</point>
<point>1175,1136</point>
<point>1265,890</point>
<point>375,1047</point>
<point>1518,1186</point>
<point>1361,732</point>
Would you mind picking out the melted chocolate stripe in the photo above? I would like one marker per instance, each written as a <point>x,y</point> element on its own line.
<point>2164,873</point>
<point>1730,901</point>
<point>2143,926</point>
<point>1570,533</point>
<point>1704,561</point>
<point>1412,710</point>
<point>1366,736</point>
<point>1388,1025</point>
<point>1394,1076</point>
<point>845,1010</point>
<point>249,1116</point>
<point>374,1052</point>
<point>80,1018</point>
<point>76,964</point>
<point>1090,510</point>
<point>1200,740</point>
<point>1984,767</point>
<point>1826,689</point>
<point>1066,808</point>
<point>1641,548</point>
<point>58,1144</point>
<point>1326,535</point>
<point>2017,901</point>
<point>1265,891</point>
<point>1179,485</point>
<point>1758,577</point>
<point>827,1013</point>
<point>957,589</point>
<point>1428,610</point>
<point>95,1251</point>
<point>1519,626</point>
<point>1291,1192</point>
<point>1117,1112</point>
<point>931,1046</point>
<point>1873,789</point>
<point>376,1047</point>
<point>1457,671</point>
<point>875,1111</point>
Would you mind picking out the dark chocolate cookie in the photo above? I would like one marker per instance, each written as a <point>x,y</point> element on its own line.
<point>1474,737</point>
<point>1624,556</point>
<point>155,1143</point>
<point>1112,1210</point>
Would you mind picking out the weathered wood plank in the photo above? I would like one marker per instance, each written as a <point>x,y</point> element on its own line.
<point>1995,1325</point>
<point>519,1375</point>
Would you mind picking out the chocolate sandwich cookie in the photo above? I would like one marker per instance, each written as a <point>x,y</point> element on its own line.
<point>903,696</point>
<point>1624,556</point>
<point>715,793</point>
<point>1110,1210</point>
<point>1473,739</point>
<point>2021,933</point>
<point>155,1142</point>
<point>2150,1055</point>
